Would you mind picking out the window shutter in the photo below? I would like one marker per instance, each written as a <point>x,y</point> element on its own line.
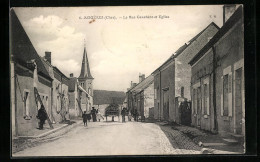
<point>208,99</point>
<point>221,107</point>
<point>230,94</point>
<point>202,99</point>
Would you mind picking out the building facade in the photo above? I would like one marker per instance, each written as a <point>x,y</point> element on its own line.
<point>218,79</point>
<point>172,79</point>
<point>141,96</point>
<point>27,71</point>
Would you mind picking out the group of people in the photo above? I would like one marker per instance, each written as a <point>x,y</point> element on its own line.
<point>96,115</point>
<point>133,113</point>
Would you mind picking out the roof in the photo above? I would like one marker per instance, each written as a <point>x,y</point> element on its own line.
<point>101,97</point>
<point>57,70</point>
<point>85,70</point>
<point>22,48</point>
<point>143,85</point>
<point>225,28</point>
<point>183,47</point>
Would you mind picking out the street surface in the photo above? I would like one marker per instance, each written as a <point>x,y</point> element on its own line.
<point>107,138</point>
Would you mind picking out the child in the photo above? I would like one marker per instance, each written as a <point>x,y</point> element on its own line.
<point>85,120</point>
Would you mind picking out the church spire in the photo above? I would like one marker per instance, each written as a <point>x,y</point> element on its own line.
<point>85,70</point>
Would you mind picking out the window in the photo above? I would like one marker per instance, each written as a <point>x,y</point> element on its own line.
<point>58,103</point>
<point>194,101</point>
<point>225,95</point>
<point>198,104</point>
<point>205,99</point>
<point>155,93</point>
<point>26,106</point>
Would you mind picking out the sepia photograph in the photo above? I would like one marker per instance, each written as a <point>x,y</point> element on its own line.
<point>127,80</point>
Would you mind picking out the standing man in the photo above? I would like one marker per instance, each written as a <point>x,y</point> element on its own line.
<point>42,116</point>
<point>85,118</point>
<point>93,113</point>
<point>123,115</point>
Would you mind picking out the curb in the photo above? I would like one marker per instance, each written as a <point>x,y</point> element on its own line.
<point>31,141</point>
<point>44,134</point>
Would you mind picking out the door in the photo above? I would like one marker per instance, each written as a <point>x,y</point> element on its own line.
<point>238,100</point>
<point>165,105</point>
<point>198,106</point>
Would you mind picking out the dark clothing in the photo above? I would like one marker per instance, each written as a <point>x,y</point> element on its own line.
<point>93,113</point>
<point>42,115</point>
<point>123,115</point>
<point>85,119</point>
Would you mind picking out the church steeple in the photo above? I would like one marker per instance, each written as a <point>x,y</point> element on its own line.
<point>85,70</point>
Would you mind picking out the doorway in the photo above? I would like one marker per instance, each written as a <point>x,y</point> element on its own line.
<point>238,100</point>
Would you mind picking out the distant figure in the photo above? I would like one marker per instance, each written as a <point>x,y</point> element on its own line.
<point>129,116</point>
<point>85,118</point>
<point>135,115</point>
<point>93,113</point>
<point>123,112</point>
<point>99,116</point>
<point>42,116</point>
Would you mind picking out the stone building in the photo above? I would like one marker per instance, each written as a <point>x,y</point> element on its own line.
<point>173,77</point>
<point>218,79</point>
<point>103,98</point>
<point>81,90</point>
<point>27,70</point>
<point>59,92</point>
<point>141,96</point>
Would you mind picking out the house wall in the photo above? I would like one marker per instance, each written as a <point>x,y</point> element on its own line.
<point>59,88</point>
<point>230,56</point>
<point>24,84</point>
<point>201,74</point>
<point>148,99</point>
<point>183,69</point>
<point>165,79</point>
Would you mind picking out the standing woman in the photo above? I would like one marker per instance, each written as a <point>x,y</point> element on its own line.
<point>93,113</point>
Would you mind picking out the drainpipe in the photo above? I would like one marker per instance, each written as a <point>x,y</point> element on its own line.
<point>160,88</point>
<point>214,89</point>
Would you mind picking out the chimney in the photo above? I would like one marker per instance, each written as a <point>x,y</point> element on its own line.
<point>141,77</point>
<point>48,56</point>
<point>131,85</point>
<point>71,75</point>
<point>228,11</point>
<point>182,92</point>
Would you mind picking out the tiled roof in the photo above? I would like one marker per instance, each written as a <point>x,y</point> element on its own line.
<point>22,48</point>
<point>142,85</point>
<point>182,48</point>
<point>107,97</point>
<point>225,28</point>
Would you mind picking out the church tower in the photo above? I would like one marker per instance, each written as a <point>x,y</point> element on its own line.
<point>85,78</point>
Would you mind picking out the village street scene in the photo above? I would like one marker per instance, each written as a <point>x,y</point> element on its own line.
<point>154,80</point>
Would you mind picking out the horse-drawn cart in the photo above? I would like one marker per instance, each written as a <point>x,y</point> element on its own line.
<point>112,110</point>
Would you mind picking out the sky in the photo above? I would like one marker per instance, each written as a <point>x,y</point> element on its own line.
<point>119,47</point>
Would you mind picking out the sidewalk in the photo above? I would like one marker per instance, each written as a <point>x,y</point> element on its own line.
<point>210,143</point>
<point>36,136</point>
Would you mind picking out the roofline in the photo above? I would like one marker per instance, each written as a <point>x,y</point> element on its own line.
<point>139,83</point>
<point>55,68</point>
<point>223,30</point>
<point>187,45</point>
